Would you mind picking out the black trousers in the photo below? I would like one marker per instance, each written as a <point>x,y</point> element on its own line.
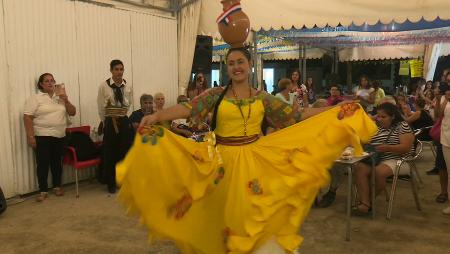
<point>49,153</point>
<point>117,140</point>
<point>439,162</point>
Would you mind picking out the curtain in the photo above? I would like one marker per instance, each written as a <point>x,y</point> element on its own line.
<point>432,54</point>
<point>188,20</point>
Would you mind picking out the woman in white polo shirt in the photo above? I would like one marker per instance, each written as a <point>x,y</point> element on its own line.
<point>45,118</point>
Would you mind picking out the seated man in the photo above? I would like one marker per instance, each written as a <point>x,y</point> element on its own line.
<point>337,171</point>
<point>146,101</point>
<point>335,96</point>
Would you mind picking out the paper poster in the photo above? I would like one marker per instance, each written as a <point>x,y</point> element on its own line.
<point>416,68</point>
<point>404,68</point>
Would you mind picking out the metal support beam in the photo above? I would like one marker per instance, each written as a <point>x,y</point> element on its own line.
<point>255,59</point>
<point>95,3</point>
<point>187,3</point>
<point>146,5</point>
<point>349,75</point>
<point>303,64</point>
<point>261,75</point>
<point>336,60</point>
<point>173,6</point>
<point>221,70</point>
<point>300,57</point>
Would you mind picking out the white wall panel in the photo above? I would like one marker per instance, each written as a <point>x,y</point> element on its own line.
<point>40,38</point>
<point>154,43</point>
<point>103,34</point>
<point>7,172</point>
<point>75,41</point>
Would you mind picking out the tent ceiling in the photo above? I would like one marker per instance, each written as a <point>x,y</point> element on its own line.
<point>381,53</point>
<point>360,39</point>
<point>286,14</point>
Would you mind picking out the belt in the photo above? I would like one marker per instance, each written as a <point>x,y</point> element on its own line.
<point>115,112</point>
<point>236,141</point>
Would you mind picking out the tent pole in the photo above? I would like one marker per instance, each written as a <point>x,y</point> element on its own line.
<point>300,61</point>
<point>220,71</point>
<point>255,59</point>
<point>349,75</point>
<point>303,64</point>
<point>261,75</point>
<point>336,60</point>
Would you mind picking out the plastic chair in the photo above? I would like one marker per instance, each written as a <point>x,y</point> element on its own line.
<point>70,157</point>
<point>410,160</point>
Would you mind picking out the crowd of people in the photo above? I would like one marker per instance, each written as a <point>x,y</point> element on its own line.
<point>398,117</point>
<point>47,114</point>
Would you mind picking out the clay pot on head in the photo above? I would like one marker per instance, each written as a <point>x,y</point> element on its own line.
<point>235,27</point>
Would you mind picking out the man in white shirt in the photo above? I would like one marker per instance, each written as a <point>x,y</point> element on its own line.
<point>114,100</point>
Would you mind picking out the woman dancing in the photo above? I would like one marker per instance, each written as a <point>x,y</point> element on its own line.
<point>239,191</point>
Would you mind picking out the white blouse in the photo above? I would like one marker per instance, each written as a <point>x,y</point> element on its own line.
<point>50,116</point>
<point>106,98</point>
<point>292,97</point>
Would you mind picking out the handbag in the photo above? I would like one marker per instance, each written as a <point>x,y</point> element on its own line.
<point>435,132</point>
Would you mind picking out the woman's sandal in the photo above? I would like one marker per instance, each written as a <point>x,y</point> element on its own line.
<point>42,196</point>
<point>58,191</point>
<point>356,210</point>
<point>442,198</point>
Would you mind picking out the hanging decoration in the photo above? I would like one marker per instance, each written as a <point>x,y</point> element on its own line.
<point>416,66</point>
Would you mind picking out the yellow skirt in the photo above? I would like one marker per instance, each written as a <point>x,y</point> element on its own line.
<point>232,199</point>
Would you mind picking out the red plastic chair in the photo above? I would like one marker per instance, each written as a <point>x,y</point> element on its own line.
<point>70,157</point>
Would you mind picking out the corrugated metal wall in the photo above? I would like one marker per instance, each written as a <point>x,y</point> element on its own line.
<point>7,174</point>
<point>75,41</point>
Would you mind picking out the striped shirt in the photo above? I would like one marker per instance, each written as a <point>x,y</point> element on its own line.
<point>383,137</point>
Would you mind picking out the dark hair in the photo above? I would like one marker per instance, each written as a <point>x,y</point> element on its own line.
<point>244,51</point>
<point>364,76</point>
<point>376,83</point>
<point>114,63</point>
<point>41,79</point>
<point>182,98</point>
<point>337,86</point>
<point>312,84</point>
<point>420,102</point>
<point>193,83</point>
<point>392,111</point>
<point>145,97</point>
<point>299,75</point>
<point>247,55</point>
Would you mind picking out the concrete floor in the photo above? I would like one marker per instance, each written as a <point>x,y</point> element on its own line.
<point>95,223</point>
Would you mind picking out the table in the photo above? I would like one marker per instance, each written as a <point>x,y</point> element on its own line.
<point>349,165</point>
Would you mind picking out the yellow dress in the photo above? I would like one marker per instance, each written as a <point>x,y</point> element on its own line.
<point>232,199</point>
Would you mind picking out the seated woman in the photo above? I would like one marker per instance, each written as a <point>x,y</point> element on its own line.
<point>285,86</point>
<point>180,126</point>
<point>393,141</point>
<point>404,105</point>
<point>420,119</point>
